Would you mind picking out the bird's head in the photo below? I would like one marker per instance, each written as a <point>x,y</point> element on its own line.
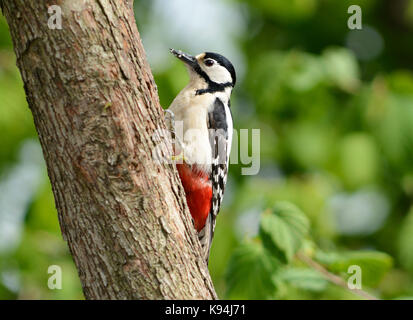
<point>212,68</point>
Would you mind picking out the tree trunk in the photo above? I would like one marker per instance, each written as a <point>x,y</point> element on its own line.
<point>96,110</point>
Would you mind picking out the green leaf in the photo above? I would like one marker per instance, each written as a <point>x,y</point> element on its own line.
<point>342,68</point>
<point>283,230</point>
<point>395,132</point>
<point>405,241</point>
<point>305,71</point>
<point>303,278</point>
<point>250,273</point>
<point>359,158</point>
<point>373,264</point>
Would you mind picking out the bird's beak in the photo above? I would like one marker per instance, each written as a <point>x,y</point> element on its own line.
<point>186,58</point>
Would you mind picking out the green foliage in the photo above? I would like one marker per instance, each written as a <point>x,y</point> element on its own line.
<point>304,278</point>
<point>359,159</point>
<point>294,10</point>
<point>250,272</point>
<point>374,265</point>
<point>342,69</point>
<point>282,230</point>
<point>405,242</point>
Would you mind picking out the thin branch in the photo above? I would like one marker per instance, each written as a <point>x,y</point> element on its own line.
<point>332,277</point>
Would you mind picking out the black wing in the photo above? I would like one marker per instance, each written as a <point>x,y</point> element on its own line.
<point>220,140</point>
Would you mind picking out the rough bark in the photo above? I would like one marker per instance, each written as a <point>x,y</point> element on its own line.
<point>96,110</point>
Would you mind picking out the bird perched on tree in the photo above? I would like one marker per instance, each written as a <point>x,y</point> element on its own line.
<point>203,110</point>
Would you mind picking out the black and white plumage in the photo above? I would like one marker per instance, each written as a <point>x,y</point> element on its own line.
<point>203,107</point>
<point>220,124</point>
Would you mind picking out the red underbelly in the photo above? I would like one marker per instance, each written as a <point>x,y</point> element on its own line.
<point>198,190</point>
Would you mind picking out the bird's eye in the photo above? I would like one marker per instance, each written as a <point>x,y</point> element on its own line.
<point>209,62</point>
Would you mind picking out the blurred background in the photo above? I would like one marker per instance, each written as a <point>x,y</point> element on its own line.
<point>335,110</point>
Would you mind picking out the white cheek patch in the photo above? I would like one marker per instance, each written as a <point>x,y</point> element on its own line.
<point>217,73</point>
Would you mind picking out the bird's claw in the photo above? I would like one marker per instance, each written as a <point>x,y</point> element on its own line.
<point>179,158</point>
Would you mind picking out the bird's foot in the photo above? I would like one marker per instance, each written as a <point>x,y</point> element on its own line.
<point>179,158</point>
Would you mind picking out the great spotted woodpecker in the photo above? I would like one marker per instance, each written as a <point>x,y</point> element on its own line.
<point>203,108</point>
